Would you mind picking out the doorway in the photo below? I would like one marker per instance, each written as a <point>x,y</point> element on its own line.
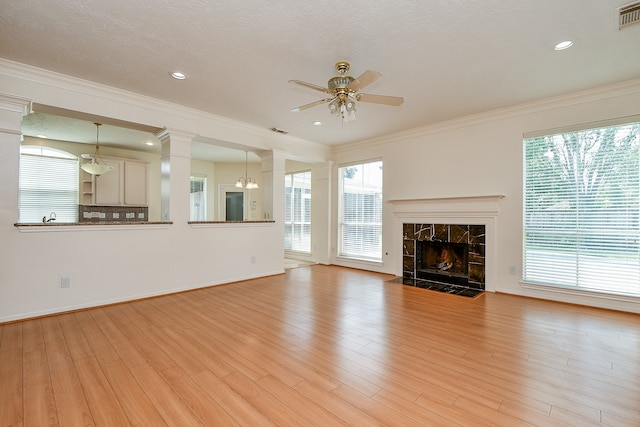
<point>232,203</point>
<point>234,209</point>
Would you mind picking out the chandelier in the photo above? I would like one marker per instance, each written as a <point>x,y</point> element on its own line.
<point>95,167</point>
<point>246,181</point>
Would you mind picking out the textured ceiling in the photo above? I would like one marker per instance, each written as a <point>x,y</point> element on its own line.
<point>447,58</point>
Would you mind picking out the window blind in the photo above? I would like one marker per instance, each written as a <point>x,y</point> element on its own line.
<point>297,216</point>
<point>198,198</point>
<point>360,211</point>
<point>582,208</point>
<point>48,185</point>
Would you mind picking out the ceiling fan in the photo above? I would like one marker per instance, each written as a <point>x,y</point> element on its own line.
<point>344,92</point>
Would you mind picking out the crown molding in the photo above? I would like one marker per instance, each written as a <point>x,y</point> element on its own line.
<point>628,87</point>
<point>180,116</point>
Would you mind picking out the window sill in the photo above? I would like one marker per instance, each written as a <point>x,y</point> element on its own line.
<point>581,292</point>
<point>359,260</point>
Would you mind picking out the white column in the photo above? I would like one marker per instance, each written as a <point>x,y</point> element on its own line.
<point>321,230</point>
<point>12,108</point>
<point>273,169</point>
<point>175,171</point>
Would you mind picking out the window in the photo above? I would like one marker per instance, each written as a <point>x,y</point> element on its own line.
<point>198,198</point>
<point>581,209</point>
<point>360,211</point>
<point>297,215</point>
<point>48,184</point>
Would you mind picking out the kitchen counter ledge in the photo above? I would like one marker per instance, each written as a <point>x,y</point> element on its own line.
<point>228,224</point>
<point>105,225</point>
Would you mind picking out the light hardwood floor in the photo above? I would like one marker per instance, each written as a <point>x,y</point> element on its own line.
<point>323,346</point>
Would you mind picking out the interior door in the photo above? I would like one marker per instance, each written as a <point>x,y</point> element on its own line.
<point>232,203</point>
<point>234,206</point>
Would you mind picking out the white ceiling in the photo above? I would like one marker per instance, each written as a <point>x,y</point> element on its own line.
<point>447,58</point>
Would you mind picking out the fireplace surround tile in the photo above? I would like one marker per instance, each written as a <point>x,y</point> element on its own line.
<point>470,234</point>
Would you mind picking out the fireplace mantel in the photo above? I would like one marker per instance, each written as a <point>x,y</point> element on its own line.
<point>470,210</point>
<point>489,197</point>
<point>453,206</point>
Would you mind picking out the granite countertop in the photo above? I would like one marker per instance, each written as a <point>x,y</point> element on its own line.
<point>232,222</point>
<point>68,224</point>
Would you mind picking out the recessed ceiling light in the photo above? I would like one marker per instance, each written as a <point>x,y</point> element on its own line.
<point>149,142</point>
<point>564,45</point>
<point>43,136</point>
<point>317,123</point>
<point>178,75</point>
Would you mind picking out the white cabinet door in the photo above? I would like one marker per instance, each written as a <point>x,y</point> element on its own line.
<point>135,183</point>
<point>109,186</point>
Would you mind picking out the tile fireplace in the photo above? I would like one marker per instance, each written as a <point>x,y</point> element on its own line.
<point>448,254</point>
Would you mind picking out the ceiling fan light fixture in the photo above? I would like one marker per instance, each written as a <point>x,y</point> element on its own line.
<point>344,91</point>
<point>349,113</point>
<point>334,106</point>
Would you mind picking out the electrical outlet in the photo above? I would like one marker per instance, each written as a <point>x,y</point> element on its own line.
<point>253,259</point>
<point>65,281</point>
<point>512,270</point>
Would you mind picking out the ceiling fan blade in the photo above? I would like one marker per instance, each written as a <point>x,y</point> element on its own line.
<point>310,105</point>
<point>380,99</point>
<point>310,86</point>
<point>363,80</point>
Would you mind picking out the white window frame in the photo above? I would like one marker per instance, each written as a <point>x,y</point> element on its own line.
<point>48,188</point>
<point>364,218</point>
<point>577,236</point>
<point>300,220</point>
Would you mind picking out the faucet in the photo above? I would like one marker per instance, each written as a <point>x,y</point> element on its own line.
<point>52,217</point>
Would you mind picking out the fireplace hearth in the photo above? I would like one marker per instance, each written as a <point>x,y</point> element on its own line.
<point>446,257</point>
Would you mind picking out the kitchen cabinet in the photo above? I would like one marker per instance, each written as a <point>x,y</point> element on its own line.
<point>126,184</point>
<point>135,183</point>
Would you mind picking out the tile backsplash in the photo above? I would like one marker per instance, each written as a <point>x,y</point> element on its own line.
<point>93,213</point>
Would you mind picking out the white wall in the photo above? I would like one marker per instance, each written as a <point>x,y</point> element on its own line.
<point>117,263</point>
<point>110,264</point>
<point>227,174</point>
<point>482,155</point>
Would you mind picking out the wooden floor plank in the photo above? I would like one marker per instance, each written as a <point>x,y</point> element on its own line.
<point>240,409</point>
<point>323,345</point>
<point>11,386</point>
<point>265,402</point>
<point>38,399</point>
<point>104,405</point>
<point>11,336</point>
<point>304,406</point>
<point>140,411</point>
<point>71,403</point>
<point>207,410</point>
<point>166,401</point>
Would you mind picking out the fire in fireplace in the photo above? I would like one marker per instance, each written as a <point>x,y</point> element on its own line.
<point>442,261</point>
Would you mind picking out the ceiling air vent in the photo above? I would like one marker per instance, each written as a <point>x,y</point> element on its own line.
<point>629,15</point>
<point>284,132</point>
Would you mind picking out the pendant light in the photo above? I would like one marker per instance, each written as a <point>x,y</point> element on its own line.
<point>96,168</point>
<point>246,182</point>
